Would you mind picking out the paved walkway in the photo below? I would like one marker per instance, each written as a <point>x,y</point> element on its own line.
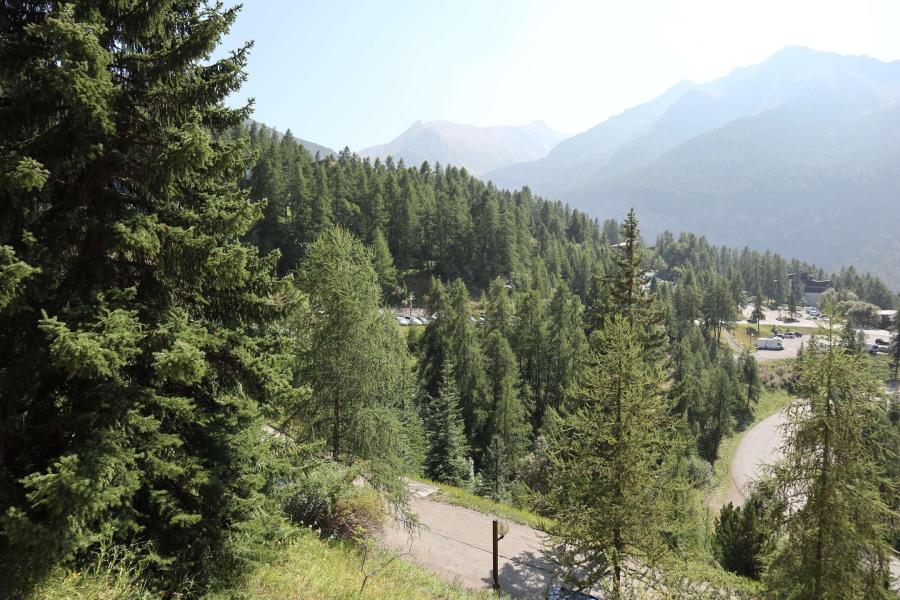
<point>455,542</point>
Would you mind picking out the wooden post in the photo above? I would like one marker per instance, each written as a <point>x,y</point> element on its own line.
<point>496,574</point>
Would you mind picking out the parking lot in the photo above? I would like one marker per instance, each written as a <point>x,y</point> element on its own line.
<point>792,345</point>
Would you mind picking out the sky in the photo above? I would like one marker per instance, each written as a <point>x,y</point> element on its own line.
<point>358,73</point>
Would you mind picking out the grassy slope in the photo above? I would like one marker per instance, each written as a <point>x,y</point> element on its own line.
<point>459,497</point>
<point>309,568</point>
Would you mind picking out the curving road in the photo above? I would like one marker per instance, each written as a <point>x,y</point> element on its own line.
<point>760,446</point>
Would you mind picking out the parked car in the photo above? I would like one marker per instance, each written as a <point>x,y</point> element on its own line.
<point>561,593</point>
<point>881,342</point>
<point>403,321</point>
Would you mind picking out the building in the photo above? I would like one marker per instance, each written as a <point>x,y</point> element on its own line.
<point>887,318</point>
<point>812,288</point>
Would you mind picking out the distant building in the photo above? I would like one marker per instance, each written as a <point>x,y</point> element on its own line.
<point>887,318</point>
<point>812,288</point>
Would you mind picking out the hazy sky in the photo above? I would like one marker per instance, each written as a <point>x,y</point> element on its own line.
<point>357,73</point>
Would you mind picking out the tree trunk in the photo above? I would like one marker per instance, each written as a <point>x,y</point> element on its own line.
<point>336,432</point>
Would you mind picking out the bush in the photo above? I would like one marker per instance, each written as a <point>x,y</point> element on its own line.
<point>331,500</point>
<point>699,471</point>
<point>780,375</point>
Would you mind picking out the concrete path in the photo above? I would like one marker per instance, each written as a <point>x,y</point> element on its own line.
<point>455,543</point>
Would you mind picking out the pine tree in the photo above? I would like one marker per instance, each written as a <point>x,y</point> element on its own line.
<point>134,322</point>
<point>383,263</point>
<point>447,456</point>
<point>830,479</point>
<point>758,313</point>
<point>608,481</point>
<point>629,297</point>
<point>499,311</point>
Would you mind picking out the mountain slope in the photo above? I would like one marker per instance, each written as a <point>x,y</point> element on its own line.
<point>797,154</point>
<point>311,147</point>
<point>478,149</point>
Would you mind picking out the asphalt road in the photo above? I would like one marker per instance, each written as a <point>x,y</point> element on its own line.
<point>759,447</point>
<point>455,543</point>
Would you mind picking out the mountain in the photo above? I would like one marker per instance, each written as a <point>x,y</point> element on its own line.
<point>478,149</point>
<point>798,154</point>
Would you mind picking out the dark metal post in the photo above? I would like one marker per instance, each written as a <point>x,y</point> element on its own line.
<point>494,536</point>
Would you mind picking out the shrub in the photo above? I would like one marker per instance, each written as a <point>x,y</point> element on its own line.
<point>699,471</point>
<point>780,375</point>
<point>332,500</point>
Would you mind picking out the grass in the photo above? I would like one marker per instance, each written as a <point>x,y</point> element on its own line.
<point>769,403</point>
<point>459,497</point>
<point>313,569</point>
<point>308,568</point>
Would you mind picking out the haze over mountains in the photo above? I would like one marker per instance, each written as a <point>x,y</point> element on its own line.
<point>478,149</point>
<point>798,154</point>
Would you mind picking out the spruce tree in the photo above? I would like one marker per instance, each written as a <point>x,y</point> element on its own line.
<point>831,483</point>
<point>609,487</point>
<point>447,455</point>
<point>134,359</point>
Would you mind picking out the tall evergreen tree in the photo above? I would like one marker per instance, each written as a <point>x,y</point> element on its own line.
<point>507,429</point>
<point>447,456</point>
<point>133,321</point>
<point>836,518</point>
<point>356,363</point>
<point>608,485</point>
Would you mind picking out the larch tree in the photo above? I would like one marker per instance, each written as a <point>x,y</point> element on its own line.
<point>832,483</point>
<point>357,362</point>
<point>134,365</point>
<point>609,487</point>
<point>506,431</point>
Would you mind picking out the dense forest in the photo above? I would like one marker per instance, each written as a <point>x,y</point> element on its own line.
<point>197,354</point>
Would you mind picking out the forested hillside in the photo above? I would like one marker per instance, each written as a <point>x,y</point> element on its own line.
<point>441,221</point>
<point>201,378</point>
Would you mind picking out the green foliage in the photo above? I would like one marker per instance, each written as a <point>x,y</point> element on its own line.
<point>609,485</point>
<point>447,456</point>
<point>835,530</point>
<point>139,336</point>
<point>741,535</point>
<point>327,499</point>
<point>357,365</point>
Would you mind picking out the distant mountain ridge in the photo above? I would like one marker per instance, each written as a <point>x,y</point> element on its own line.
<point>311,147</point>
<point>478,149</point>
<point>798,154</point>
